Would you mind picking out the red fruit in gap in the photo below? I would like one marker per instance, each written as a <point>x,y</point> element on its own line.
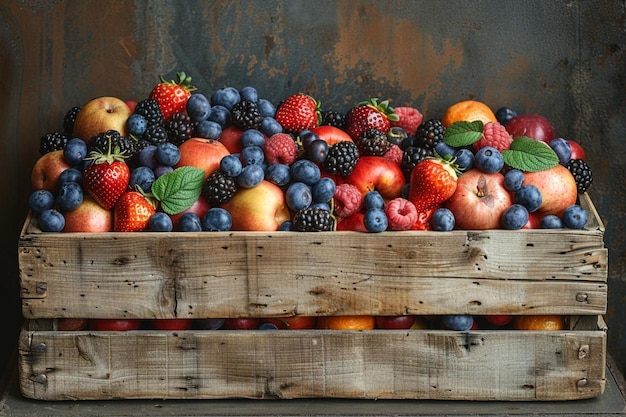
<point>117,325</point>
<point>432,182</point>
<point>409,119</point>
<point>172,95</point>
<point>72,324</point>
<point>132,212</point>
<point>293,323</point>
<point>243,323</point>
<point>577,151</point>
<point>172,324</point>
<point>534,126</point>
<point>369,115</point>
<point>298,112</point>
<point>499,319</point>
<point>107,177</point>
<point>394,322</point>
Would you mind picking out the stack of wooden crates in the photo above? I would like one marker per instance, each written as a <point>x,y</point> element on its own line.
<point>260,274</point>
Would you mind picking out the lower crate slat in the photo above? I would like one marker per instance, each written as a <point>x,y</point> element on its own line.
<point>383,364</point>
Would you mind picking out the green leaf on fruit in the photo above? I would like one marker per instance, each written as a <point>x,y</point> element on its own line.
<point>460,134</point>
<point>530,155</point>
<point>179,189</point>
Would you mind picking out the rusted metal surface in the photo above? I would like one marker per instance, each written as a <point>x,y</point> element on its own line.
<point>565,60</point>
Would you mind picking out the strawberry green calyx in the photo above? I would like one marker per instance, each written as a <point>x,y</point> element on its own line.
<point>182,80</point>
<point>382,107</point>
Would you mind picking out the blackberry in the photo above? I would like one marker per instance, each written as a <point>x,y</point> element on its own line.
<point>342,158</point>
<point>179,128</point>
<point>412,156</point>
<point>581,172</point>
<point>373,142</point>
<point>333,118</point>
<point>246,115</point>
<point>219,187</point>
<point>100,143</point>
<point>313,219</point>
<point>151,111</point>
<point>141,144</point>
<point>429,134</point>
<point>50,142</point>
<point>155,134</point>
<point>69,119</point>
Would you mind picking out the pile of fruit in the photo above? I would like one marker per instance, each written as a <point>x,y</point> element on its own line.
<point>183,161</point>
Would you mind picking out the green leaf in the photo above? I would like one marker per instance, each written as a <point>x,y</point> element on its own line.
<point>179,189</point>
<point>460,134</point>
<point>530,155</point>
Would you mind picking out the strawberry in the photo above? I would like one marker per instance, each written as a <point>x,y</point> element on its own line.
<point>298,112</point>
<point>432,182</point>
<point>107,177</point>
<point>132,212</point>
<point>409,119</point>
<point>172,95</point>
<point>495,135</point>
<point>369,115</point>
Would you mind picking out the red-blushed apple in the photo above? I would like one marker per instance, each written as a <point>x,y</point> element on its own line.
<point>101,114</point>
<point>377,173</point>
<point>46,171</point>
<point>577,150</point>
<point>293,322</point>
<point>231,139</point>
<point>395,322</point>
<point>117,325</point>
<point>131,105</point>
<point>205,154</point>
<point>200,207</point>
<point>353,223</point>
<point>533,222</point>
<point>89,217</point>
<point>331,134</point>
<point>70,324</point>
<point>172,324</point>
<point>261,208</point>
<point>558,189</point>
<point>479,200</point>
<point>242,323</point>
<point>534,126</point>
<point>499,319</point>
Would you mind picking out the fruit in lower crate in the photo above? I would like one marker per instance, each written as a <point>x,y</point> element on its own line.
<point>205,154</point>
<point>535,126</point>
<point>172,324</point>
<point>358,322</point>
<point>262,208</point>
<point>432,182</point>
<point>479,200</point>
<point>242,323</point>
<point>89,216</point>
<point>71,324</point>
<point>117,325</point>
<point>457,322</point>
<point>395,322</point>
<point>499,319</point>
<point>558,189</point>
<point>539,322</point>
<point>370,114</point>
<point>377,173</point>
<point>293,323</point>
<point>468,111</point>
<point>99,115</point>
<point>46,171</point>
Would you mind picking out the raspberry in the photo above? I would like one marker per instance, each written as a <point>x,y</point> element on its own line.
<point>494,135</point>
<point>409,119</point>
<point>348,200</point>
<point>395,154</point>
<point>401,214</point>
<point>280,148</point>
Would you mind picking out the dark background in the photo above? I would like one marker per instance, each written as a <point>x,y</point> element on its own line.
<point>563,59</point>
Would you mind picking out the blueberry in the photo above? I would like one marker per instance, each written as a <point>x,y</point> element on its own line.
<point>217,219</point>
<point>305,171</point>
<point>373,200</point>
<point>278,174</point>
<point>551,221</point>
<point>285,226</point>
<point>443,149</point>
<point>40,200</point>
<point>209,130</point>
<point>198,107</point>
<point>562,149</point>
<point>267,326</point>
<point>147,157</point>
<point>464,159</point>
<point>220,115</point>
<point>69,197</point>
<point>51,220</point>
<point>136,125</point>
<point>323,190</point>
<point>514,217</point>
<point>209,324</point>
<point>489,160</point>
<point>160,222</point>
<point>323,206</point>
<point>396,135</point>
<point>226,97</point>
<point>251,176</point>
<point>504,115</point>
<point>317,151</point>
<point>249,93</point>
<point>189,222</point>
<point>375,220</point>
<point>142,177</point>
<point>75,151</point>
<point>458,322</point>
<point>266,108</point>
<point>252,137</point>
<point>529,196</point>
<point>167,154</point>
<point>298,196</point>
<point>231,165</point>
<point>443,220</point>
<point>269,126</point>
<point>574,217</point>
<point>252,155</point>
<point>513,180</point>
<point>307,138</point>
<point>70,175</point>
<point>161,170</point>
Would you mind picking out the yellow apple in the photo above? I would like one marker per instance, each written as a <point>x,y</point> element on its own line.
<point>88,217</point>
<point>99,115</point>
<point>558,189</point>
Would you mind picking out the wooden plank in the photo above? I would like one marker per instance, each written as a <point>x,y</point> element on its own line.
<point>478,365</point>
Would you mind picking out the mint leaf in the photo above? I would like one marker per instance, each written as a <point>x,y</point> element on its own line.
<point>179,189</point>
<point>460,134</point>
<point>530,155</point>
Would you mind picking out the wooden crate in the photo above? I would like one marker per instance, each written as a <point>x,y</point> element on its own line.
<point>260,274</point>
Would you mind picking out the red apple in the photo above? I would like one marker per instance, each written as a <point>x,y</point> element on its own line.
<point>172,324</point>
<point>533,222</point>
<point>117,325</point>
<point>200,207</point>
<point>534,126</point>
<point>101,114</point>
<point>558,189</point>
<point>499,319</point>
<point>88,217</point>
<point>331,134</point>
<point>231,139</point>
<point>377,173</point>
<point>261,208</point>
<point>205,154</point>
<point>242,323</point>
<point>577,151</point>
<point>479,200</point>
<point>46,171</point>
<point>394,322</point>
<point>72,324</point>
<point>293,323</point>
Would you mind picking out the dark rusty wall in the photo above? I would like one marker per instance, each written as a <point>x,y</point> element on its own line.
<point>563,59</point>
